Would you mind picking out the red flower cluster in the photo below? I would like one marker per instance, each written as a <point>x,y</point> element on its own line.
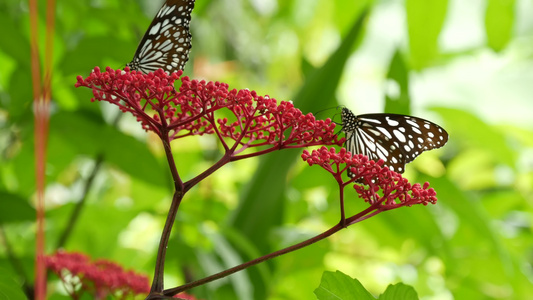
<point>381,186</point>
<point>99,278</point>
<point>255,121</point>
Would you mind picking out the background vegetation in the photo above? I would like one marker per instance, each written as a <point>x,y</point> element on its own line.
<point>467,65</point>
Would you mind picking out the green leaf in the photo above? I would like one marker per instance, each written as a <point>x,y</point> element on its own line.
<point>339,286</point>
<point>247,250</point>
<point>260,209</point>
<point>14,208</point>
<point>14,42</point>
<point>9,288</point>
<point>321,85</point>
<point>73,62</point>
<point>424,23</point>
<point>229,258</point>
<point>499,19</point>
<point>261,206</point>
<point>478,134</point>
<point>20,96</point>
<point>474,218</point>
<point>88,134</point>
<point>397,98</point>
<point>399,291</point>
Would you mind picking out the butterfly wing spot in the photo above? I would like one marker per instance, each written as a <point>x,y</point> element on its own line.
<point>155,28</point>
<point>166,10</point>
<point>412,123</point>
<point>374,132</point>
<point>384,131</point>
<point>399,135</point>
<point>392,122</point>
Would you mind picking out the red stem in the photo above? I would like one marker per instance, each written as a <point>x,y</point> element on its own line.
<point>175,291</point>
<point>158,281</point>
<point>222,161</point>
<point>41,101</point>
<point>341,198</point>
<point>352,220</point>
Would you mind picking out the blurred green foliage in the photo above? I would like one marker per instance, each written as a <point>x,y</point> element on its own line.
<point>471,74</point>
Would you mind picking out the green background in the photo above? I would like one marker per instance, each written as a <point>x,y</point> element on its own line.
<point>466,65</point>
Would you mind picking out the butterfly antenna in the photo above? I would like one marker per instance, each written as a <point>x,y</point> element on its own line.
<point>322,110</point>
<point>337,113</point>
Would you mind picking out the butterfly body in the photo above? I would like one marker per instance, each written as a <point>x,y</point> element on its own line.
<point>167,42</point>
<point>396,139</point>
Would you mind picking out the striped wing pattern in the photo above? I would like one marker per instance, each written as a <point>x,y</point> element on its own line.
<point>397,139</point>
<point>167,42</point>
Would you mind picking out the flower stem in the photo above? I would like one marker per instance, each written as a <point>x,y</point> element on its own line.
<point>325,234</point>
<point>341,198</point>
<point>158,281</point>
<point>363,215</point>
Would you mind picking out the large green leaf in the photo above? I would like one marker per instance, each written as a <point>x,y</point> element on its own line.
<point>74,61</point>
<point>424,23</point>
<point>499,19</point>
<point>14,42</point>
<point>473,218</point>
<point>261,207</point>
<point>471,131</point>
<point>339,286</point>
<point>14,208</point>
<point>9,289</point>
<point>229,257</point>
<point>88,134</point>
<point>20,96</point>
<point>397,99</point>
<point>399,291</point>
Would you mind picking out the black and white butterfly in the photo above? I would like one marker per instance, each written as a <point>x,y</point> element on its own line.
<point>167,42</point>
<point>396,139</point>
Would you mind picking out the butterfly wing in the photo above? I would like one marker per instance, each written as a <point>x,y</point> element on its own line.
<point>167,42</point>
<point>397,139</point>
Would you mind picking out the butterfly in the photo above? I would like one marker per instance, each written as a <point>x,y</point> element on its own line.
<point>396,139</point>
<point>167,42</point>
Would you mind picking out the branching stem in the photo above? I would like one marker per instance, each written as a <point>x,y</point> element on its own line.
<point>352,220</point>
